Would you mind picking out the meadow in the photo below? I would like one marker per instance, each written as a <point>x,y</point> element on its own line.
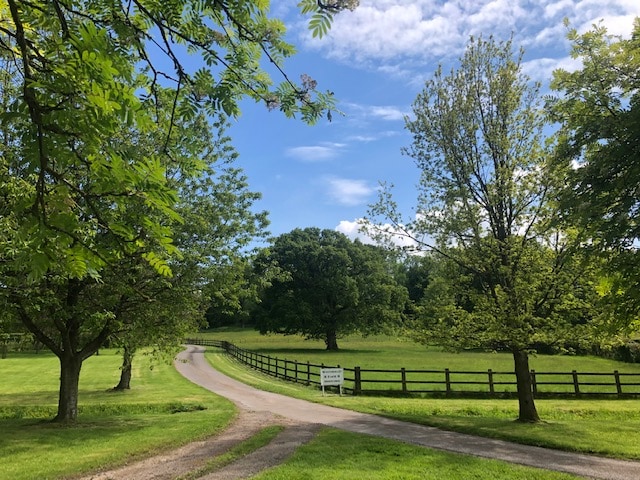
<point>609,427</point>
<point>163,411</point>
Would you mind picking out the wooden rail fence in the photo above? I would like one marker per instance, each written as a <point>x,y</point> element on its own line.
<point>407,382</point>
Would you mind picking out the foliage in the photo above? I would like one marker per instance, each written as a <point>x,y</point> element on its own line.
<point>101,151</point>
<point>508,276</point>
<point>327,286</point>
<point>89,69</point>
<point>323,12</point>
<point>598,109</point>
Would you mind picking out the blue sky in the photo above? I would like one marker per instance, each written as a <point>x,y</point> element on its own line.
<point>376,60</point>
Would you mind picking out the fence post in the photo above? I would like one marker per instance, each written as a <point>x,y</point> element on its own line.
<point>447,380</point>
<point>616,374</point>
<point>491,388</point>
<point>576,385</point>
<point>534,383</point>
<point>403,373</point>
<point>308,373</point>
<point>357,381</point>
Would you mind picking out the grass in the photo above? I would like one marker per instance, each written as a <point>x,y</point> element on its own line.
<point>382,353</point>
<point>337,455</point>
<point>605,427</point>
<point>260,439</point>
<point>161,411</point>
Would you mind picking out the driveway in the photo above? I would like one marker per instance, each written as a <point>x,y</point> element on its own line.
<point>192,364</point>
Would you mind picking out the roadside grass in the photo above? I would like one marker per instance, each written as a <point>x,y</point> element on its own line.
<point>161,411</point>
<point>260,439</point>
<point>601,426</point>
<point>336,455</point>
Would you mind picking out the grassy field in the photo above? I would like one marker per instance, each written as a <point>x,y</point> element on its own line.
<point>553,372</point>
<point>606,427</point>
<point>161,411</point>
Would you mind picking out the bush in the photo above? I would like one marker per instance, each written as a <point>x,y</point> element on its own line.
<point>628,352</point>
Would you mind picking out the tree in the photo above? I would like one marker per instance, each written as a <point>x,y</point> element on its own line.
<point>599,150</point>
<point>483,199</point>
<point>326,287</point>
<point>76,203</point>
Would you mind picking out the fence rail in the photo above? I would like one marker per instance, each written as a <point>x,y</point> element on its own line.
<point>360,381</point>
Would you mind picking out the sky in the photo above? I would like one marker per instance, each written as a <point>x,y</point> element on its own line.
<point>376,60</point>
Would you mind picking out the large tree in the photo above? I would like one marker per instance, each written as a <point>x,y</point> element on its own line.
<point>327,286</point>
<point>598,108</point>
<point>79,75</point>
<point>484,206</point>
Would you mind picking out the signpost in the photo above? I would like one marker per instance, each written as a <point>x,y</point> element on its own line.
<point>331,376</point>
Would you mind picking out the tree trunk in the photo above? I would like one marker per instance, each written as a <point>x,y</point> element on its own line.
<point>527,406</point>
<point>125,371</point>
<point>331,340</point>
<point>70,365</point>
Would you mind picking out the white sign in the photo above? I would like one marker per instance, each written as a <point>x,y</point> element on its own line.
<point>331,376</point>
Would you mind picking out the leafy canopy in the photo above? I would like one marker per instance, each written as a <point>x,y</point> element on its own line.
<point>326,286</point>
<point>598,109</point>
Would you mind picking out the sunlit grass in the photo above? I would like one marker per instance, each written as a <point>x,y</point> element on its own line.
<point>336,455</point>
<point>161,411</point>
<point>603,426</point>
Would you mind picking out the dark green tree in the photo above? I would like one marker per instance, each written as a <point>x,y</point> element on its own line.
<point>598,110</point>
<point>484,205</point>
<point>325,286</point>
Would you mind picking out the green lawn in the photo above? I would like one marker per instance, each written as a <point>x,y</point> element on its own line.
<point>161,411</point>
<point>337,455</point>
<point>607,427</point>
<point>553,372</point>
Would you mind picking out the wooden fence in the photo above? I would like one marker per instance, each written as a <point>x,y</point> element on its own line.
<point>407,382</point>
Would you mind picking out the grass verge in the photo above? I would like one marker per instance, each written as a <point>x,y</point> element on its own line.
<point>260,439</point>
<point>337,455</point>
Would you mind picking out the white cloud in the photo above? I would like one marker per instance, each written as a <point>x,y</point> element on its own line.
<point>363,138</point>
<point>315,153</point>
<point>541,69</point>
<point>348,192</point>
<point>374,136</point>
<point>397,36</point>
<point>354,229</point>
<point>381,112</point>
<point>387,113</point>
